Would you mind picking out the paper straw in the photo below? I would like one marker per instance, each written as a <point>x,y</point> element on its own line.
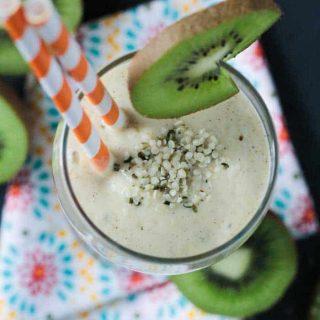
<point>53,81</point>
<point>43,16</point>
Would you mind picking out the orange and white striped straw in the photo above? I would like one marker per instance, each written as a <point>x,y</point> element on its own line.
<point>43,16</point>
<point>53,81</point>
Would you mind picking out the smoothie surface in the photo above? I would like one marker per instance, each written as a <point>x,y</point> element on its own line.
<point>234,192</point>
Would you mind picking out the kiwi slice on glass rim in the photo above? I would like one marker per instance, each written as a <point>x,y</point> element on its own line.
<point>179,71</point>
<point>14,137</point>
<point>11,63</point>
<point>251,279</point>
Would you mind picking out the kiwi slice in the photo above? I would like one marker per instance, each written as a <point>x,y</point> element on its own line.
<point>179,71</point>
<point>11,63</point>
<point>13,134</point>
<point>250,280</point>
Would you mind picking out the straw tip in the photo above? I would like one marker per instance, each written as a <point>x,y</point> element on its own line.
<point>103,160</point>
<point>37,11</point>
<point>122,121</point>
<point>7,8</point>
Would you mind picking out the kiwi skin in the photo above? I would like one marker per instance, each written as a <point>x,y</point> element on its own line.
<point>260,290</point>
<point>198,22</point>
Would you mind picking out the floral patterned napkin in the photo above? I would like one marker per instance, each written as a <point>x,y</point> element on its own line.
<point>46,272</point>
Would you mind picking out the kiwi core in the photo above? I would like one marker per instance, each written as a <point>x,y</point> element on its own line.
<point>204,64</point>
<point>236,265</point>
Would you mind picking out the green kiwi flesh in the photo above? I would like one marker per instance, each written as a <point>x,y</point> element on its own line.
<point>11,63</point>
<point>179,71</point>
<point>250,280</point>
<point>13,135</point>
<point>70,11</point>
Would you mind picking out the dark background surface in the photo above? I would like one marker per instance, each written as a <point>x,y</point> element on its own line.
<point>292,47</point>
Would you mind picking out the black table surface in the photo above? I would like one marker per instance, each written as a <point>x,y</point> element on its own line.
<point>292,47</point>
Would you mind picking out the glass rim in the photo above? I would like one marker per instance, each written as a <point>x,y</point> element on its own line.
<point>219,250</point>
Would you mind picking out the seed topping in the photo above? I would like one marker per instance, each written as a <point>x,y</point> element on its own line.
<point>175,165</point>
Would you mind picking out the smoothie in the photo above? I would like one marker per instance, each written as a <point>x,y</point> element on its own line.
<point>202,213</point>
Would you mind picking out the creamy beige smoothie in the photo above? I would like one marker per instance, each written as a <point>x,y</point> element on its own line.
<point>202,213</point>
